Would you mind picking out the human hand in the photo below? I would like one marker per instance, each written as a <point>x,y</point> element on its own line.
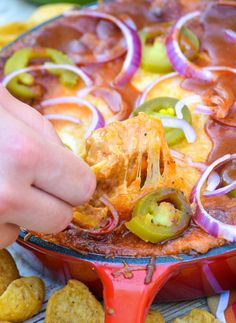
<point>40,179</point>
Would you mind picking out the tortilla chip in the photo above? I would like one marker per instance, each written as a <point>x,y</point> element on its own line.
<point>8,270</point>
<point>22,299</point>
<point>197,316</point>
<point>154,317</point>
<point>72,304</point>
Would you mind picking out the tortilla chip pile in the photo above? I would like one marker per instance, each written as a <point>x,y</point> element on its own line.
<point>197,316</point>
<point>20,297</point>
<point>74,303</point>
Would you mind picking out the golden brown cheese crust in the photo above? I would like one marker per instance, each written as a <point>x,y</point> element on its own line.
<point>194,241</point>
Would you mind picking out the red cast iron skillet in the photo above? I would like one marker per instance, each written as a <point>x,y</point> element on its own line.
<point>127,296</point>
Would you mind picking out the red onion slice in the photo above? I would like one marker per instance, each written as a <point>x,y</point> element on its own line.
<point>220,69</point>
<point>85,91</point>
<point>112,222</point>
<point>157,80</point>
<point>111,97</point>
<point>179,62</point>
<point>97,118</point>
<point>183,159</point>
<point>62,117</point>
<point>133,56</point>
<point>221,191</point>
<point>188,130</point>
<point>202,217</point>
<point>230,35</point>
<point>185,101</point>
<point>87,80</point>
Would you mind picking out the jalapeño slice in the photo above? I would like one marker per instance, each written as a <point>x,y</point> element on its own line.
<point>160,215</point>
<point>165,106</point>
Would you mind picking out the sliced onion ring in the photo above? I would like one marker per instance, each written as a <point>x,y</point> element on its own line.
<point>133,56</point>
<point>179,62</point>
<point>112,98</point>
<point>204,109</point>
<point>157,80</point>
<point>62,117</point>
<point>220,69</point>
<point>222,190</point>
<point>185,101</point>
<point>188,130</point>
<point>112,222</point>
<point>97,118</point>
<point>208,223</point>
<point>87,80</point>
<point>183,159</point>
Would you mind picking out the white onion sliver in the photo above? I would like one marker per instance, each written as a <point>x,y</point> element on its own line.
<point>230,35</point>
<point>220,69</point>
<point>202,217</point>
<point>204,109</point>
<point>185,101</point>
<point>222,190</point>
<point>181,158</point>
<point>85,91</point>
<point>213,181</point>
<point>97,118</point>
<point>188,130</point>
<point>63,117</point>
<point>87,80</point>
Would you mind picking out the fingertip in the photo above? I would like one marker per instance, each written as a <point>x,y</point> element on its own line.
<point>58,224</point>
<point>8,234</point>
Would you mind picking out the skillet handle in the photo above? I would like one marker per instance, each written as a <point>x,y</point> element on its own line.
<point>128,299</point>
